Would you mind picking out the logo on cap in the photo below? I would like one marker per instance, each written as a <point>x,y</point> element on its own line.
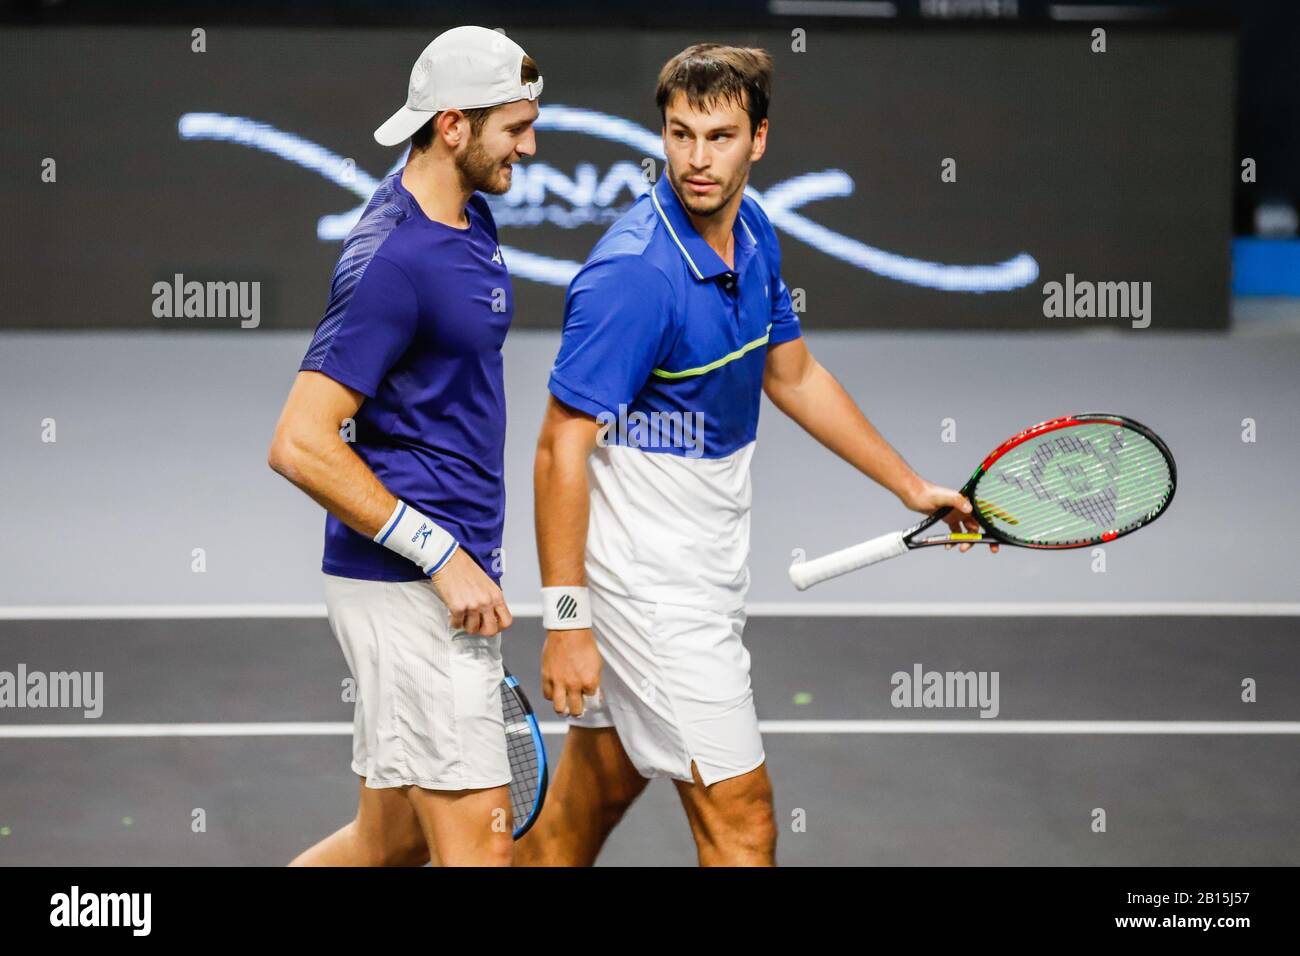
<point>420,75</point>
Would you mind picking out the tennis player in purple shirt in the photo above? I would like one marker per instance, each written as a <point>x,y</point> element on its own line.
<point>409,355</point>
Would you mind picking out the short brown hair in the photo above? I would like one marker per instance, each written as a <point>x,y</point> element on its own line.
<point>709,73</point>
<point>422,138</point>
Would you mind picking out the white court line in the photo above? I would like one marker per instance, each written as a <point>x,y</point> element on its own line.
<point>1027,609</point>
<point>168,612</point>
<point>268,729</point>
<point>971,726</point>
<point>131,612</point>
<point>995,726</point>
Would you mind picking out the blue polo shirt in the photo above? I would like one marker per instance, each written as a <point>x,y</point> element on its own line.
<point>418,312</point>
<point>655,322</point>
<point>666,345</point>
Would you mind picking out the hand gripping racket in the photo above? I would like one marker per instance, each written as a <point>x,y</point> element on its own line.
<point>528,769</point>
<point>1065,483</point>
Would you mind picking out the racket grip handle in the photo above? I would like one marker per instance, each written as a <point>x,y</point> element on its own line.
<point>804,574</point>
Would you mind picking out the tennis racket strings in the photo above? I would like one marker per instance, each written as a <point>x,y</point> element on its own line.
<point>1091,481</point>
<point>522,747</point>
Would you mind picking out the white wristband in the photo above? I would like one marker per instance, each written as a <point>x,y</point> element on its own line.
<point>416,537</point>
<point>565,608</point>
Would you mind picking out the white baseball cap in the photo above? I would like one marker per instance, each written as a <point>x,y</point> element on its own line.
<point>464,68</point>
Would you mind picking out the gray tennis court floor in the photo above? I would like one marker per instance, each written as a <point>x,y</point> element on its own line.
<point>243,758</point>
<point>1136,722</point>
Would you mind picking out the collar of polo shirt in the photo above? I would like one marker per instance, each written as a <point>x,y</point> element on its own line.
<point>700,258</point>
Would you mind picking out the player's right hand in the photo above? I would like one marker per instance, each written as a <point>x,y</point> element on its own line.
<point>928,498</point>
<point>570,670</point>
<point>476,604</point>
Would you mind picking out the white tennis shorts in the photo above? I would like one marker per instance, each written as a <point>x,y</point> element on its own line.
<point>675,686</point>
<point>428,710</point>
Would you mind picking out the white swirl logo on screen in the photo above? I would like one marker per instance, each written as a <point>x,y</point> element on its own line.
<point>588,198</point>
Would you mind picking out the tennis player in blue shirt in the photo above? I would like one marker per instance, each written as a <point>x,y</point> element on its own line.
<point>674,328</point>
<point>408,357</point>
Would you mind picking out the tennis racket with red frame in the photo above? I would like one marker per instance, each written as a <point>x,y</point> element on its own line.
<point>1070,482</point>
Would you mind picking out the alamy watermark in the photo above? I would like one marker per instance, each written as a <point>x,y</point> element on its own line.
<point>131,910</point>
<point>948,689</point>
<point>1083,299</point>
<point>182,299</point>
<point>652,430</point>
<point>53,689</point>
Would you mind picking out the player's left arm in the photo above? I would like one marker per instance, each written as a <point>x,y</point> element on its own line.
<point>805,391</point>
